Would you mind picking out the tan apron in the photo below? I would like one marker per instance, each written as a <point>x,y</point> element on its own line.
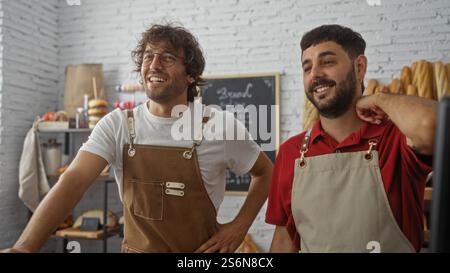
<point>339,204</point>
<point>166,206</point>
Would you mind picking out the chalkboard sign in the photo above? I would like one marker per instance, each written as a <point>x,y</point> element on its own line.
<point>254,99</point>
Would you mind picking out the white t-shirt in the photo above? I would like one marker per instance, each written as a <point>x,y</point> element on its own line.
<point>215,154</point>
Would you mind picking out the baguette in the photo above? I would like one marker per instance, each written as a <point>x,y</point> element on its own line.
<point>416,67</point>
<point>371,85</point>
<point>441,80</point>
<point>406,77</point>
<point>381,89</point>
<point>396,86</point>
<point>447,67</point>
<point>424,80</point>
<point>433,82</point>
<point>311,115</point>
<point>413,71</point>
<point>411,90</point>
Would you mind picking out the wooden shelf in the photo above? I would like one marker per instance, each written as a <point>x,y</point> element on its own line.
<point>90,235</point>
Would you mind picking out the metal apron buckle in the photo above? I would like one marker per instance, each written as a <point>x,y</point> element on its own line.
<point>131,151</point>
<point>368,156</point>
<point>188,154</point>
<point>132,132</point>
<point>303,151</point>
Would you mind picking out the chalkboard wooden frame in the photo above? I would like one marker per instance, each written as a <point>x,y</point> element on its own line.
<point>274,100</point>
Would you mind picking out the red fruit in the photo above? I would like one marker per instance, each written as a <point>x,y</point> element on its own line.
<point>49,116</point>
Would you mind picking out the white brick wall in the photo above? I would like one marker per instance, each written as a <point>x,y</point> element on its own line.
<point>237,37</point>
<point>256,36</point>
<point>28,87</point>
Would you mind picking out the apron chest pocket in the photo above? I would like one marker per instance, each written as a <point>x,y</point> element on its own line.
<point>147,200</point>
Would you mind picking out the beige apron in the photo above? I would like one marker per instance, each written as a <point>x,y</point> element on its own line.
<point>339,204</point>
<point>166,206</point>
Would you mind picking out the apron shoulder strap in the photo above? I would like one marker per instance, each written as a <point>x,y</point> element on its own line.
<point>130,124</point>
<point>305,141</point>
<point>131,132</point>
<point>205,118</point>
<point>304,148</point>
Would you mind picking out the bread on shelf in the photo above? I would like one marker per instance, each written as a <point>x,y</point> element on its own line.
<point>441,80</point>
<point>371,86</point>
<point>311,115</point>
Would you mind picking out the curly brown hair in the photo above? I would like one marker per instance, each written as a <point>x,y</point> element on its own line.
<point>178,38</point>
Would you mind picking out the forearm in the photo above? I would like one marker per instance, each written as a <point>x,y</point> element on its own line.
<point>414,116</point>
<point>281,242</point>
<point>257,195</point>
<point>50,213</point>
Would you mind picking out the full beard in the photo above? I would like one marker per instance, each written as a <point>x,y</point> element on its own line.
<point>160,94</point>
<point>342,100</point>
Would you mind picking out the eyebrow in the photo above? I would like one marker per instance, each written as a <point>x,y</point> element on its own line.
<point>321,55</point>
<point>164,51</point>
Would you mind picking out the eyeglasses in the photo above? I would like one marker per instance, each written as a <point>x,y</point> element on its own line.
<point>166,59</point>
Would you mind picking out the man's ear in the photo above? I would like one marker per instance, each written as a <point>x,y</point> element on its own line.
<point>190,79</point>
<point>361,67</point>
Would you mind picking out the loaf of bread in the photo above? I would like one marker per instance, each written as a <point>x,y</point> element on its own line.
<point>441,80</point>
<point>406,77</point>
<point>381,89</point>
<point>447,67</point>
<point>97,103</point>
<point>433,82</point>
<point>423,79</point>
<point>411,90</point>
<point>396,86</point>
<point>371,85</point>
<point>97,109</point>
<point>311,115</point>
<point>413,72</point>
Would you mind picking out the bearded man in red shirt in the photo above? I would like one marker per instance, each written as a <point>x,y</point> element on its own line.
<point>356,180</point>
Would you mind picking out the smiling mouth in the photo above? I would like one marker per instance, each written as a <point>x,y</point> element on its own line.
<point>322,88</point>
<point>154,79</point>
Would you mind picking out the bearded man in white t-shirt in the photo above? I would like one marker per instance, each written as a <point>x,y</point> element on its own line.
<point>171,188</point>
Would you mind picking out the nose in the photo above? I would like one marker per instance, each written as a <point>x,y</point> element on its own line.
<point>316,72</point>
<point>156,63</point>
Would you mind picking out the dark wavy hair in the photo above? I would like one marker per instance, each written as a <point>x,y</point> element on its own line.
<point>178,38</point>
<point>351,41</point>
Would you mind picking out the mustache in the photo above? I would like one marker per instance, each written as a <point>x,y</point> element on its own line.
<point>320,81</point>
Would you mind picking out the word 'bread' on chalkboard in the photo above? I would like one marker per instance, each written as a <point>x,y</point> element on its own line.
<point>254,100</point>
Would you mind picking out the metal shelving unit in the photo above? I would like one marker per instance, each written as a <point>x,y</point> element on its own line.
<point>105,233</point>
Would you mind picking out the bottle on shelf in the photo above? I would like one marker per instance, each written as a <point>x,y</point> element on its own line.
<point>52,156</point>
<point>82,117</point>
